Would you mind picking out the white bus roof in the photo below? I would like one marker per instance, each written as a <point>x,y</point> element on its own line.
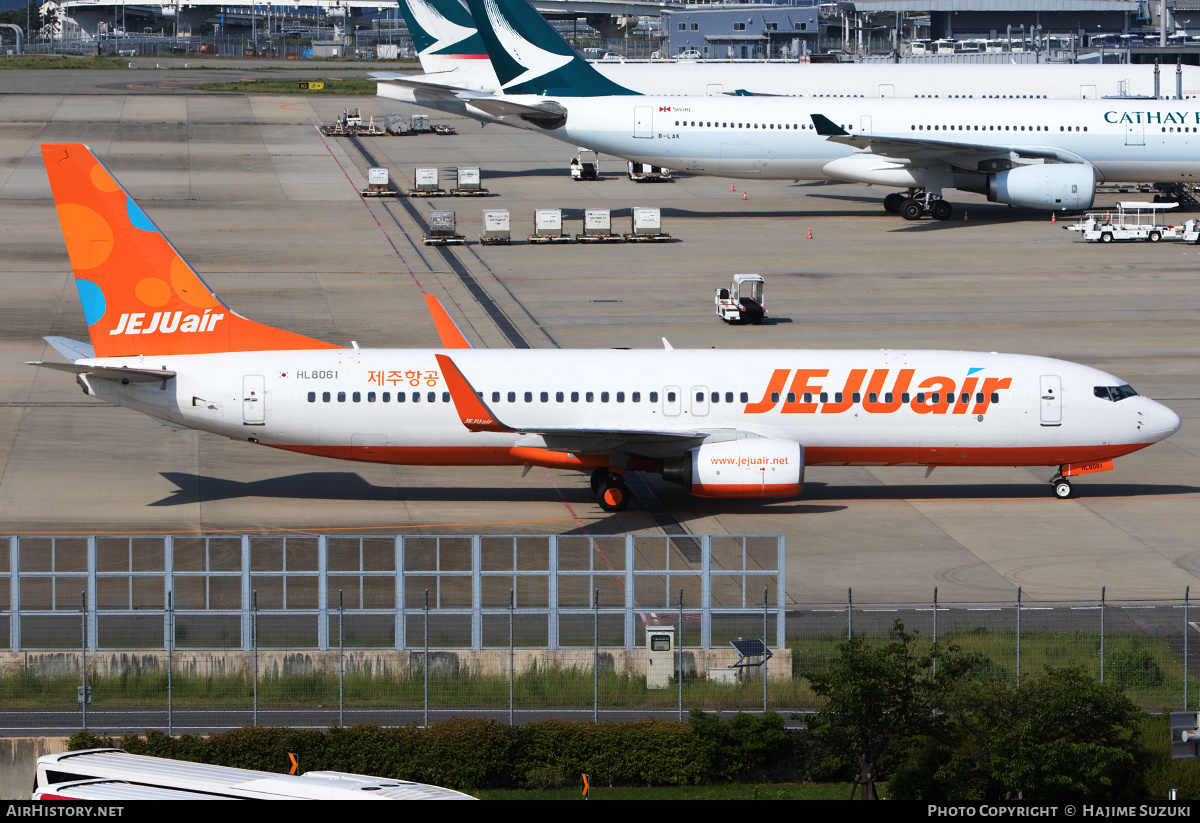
<point>115,764</point>
<point>117,790</point>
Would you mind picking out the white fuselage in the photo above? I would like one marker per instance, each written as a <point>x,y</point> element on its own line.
<point>774,137</point>
<point>847,407</point>
<point>969,80</point>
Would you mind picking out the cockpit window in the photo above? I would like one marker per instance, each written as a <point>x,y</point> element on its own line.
<point>1114,393</point>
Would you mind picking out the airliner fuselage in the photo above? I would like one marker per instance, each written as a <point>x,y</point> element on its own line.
<point>843,407</point>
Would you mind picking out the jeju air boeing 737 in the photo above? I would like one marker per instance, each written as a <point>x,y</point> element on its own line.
<point>735,424</point>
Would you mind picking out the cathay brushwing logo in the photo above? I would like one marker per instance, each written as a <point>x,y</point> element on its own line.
<point>535,60</point>
<point>435,24</point>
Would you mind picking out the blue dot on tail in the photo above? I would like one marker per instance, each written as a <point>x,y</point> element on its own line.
<point>93,300</point>
<point>138,217</point>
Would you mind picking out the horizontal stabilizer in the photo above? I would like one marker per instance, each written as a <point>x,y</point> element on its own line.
<point>71,349</point>
<point>125,375</point>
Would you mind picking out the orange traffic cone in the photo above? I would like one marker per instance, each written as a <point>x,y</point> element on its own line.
<point>744,196</point>
<point>1053,217</point>
<point>732,187</point>
<point>964,217</point>
<point>810,234</point>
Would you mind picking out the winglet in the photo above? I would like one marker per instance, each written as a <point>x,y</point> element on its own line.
<point>473,412</point>
<point>826,127</point>
<point>451,335</point>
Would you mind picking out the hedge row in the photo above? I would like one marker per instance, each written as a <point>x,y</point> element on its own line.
<point>474,753</point>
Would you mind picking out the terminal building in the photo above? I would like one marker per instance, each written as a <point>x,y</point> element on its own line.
<point>1128,30</point>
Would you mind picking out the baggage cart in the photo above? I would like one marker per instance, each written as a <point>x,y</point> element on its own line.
<point>425,184</point>
<point>597,227</point>
<point>442,230</point>
<point>377,184</point>
<point>547,227</point>
<point>496,228</point>
<point>468,183</point>
<point>646,226</point>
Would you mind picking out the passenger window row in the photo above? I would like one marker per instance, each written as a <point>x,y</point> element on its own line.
<point>933,398</point>
<point>636,397</point>
<point>994,128</point>
<point>384,397</point>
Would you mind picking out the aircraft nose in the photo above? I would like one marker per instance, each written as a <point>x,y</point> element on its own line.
<point>1161,422</point>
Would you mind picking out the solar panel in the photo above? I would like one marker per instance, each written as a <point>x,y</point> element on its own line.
<point>749,647</point>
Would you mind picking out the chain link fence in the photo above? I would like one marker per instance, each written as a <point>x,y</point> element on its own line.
<point>207,633</point>
<point>201,633</point>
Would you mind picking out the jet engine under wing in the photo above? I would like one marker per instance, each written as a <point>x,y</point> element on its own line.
<point>961,153</point>
<point>477,416</point>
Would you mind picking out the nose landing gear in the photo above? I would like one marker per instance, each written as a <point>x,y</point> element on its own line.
<point>1062,487</point>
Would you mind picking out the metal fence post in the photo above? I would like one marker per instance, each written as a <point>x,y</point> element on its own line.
<point>679,648</point>
<point>1186,592</point>
<point>630,615</point>
<point>341,660</point>
<point>170,661</point>
<point>766,656</point>
<point>596,656</point>
<point>1102,593</point>
<point>83,695</point>
<point>1018,635</point>
<point>425,666</point>
<point>849,614</point>
<point>14,593</point>
<point>323,593</point>
<point>254,646</point>
<point>780,593</point>
<point>935,634</point>
<point>476,594</point>
<point>400,621</point>
<point>93,618</point>
<point>706,592</point>
<point>512,606</point>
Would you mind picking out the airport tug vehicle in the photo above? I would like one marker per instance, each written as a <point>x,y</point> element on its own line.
<point>585,165</point>
<point>743,301</point>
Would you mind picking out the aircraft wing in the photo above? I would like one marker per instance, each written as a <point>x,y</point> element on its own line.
<point>478,417</point>
<point>961,153</point>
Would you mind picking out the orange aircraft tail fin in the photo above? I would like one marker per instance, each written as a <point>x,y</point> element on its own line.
<point>449,332</point>
<point>140,297</point>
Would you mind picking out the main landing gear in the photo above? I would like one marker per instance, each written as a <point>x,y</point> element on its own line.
<point>611,492</point>
<point>916,203</point>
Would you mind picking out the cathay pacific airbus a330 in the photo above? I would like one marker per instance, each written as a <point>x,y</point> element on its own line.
<point>726,424</point>
<point>451,53</point>
<point>1043,154</point>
